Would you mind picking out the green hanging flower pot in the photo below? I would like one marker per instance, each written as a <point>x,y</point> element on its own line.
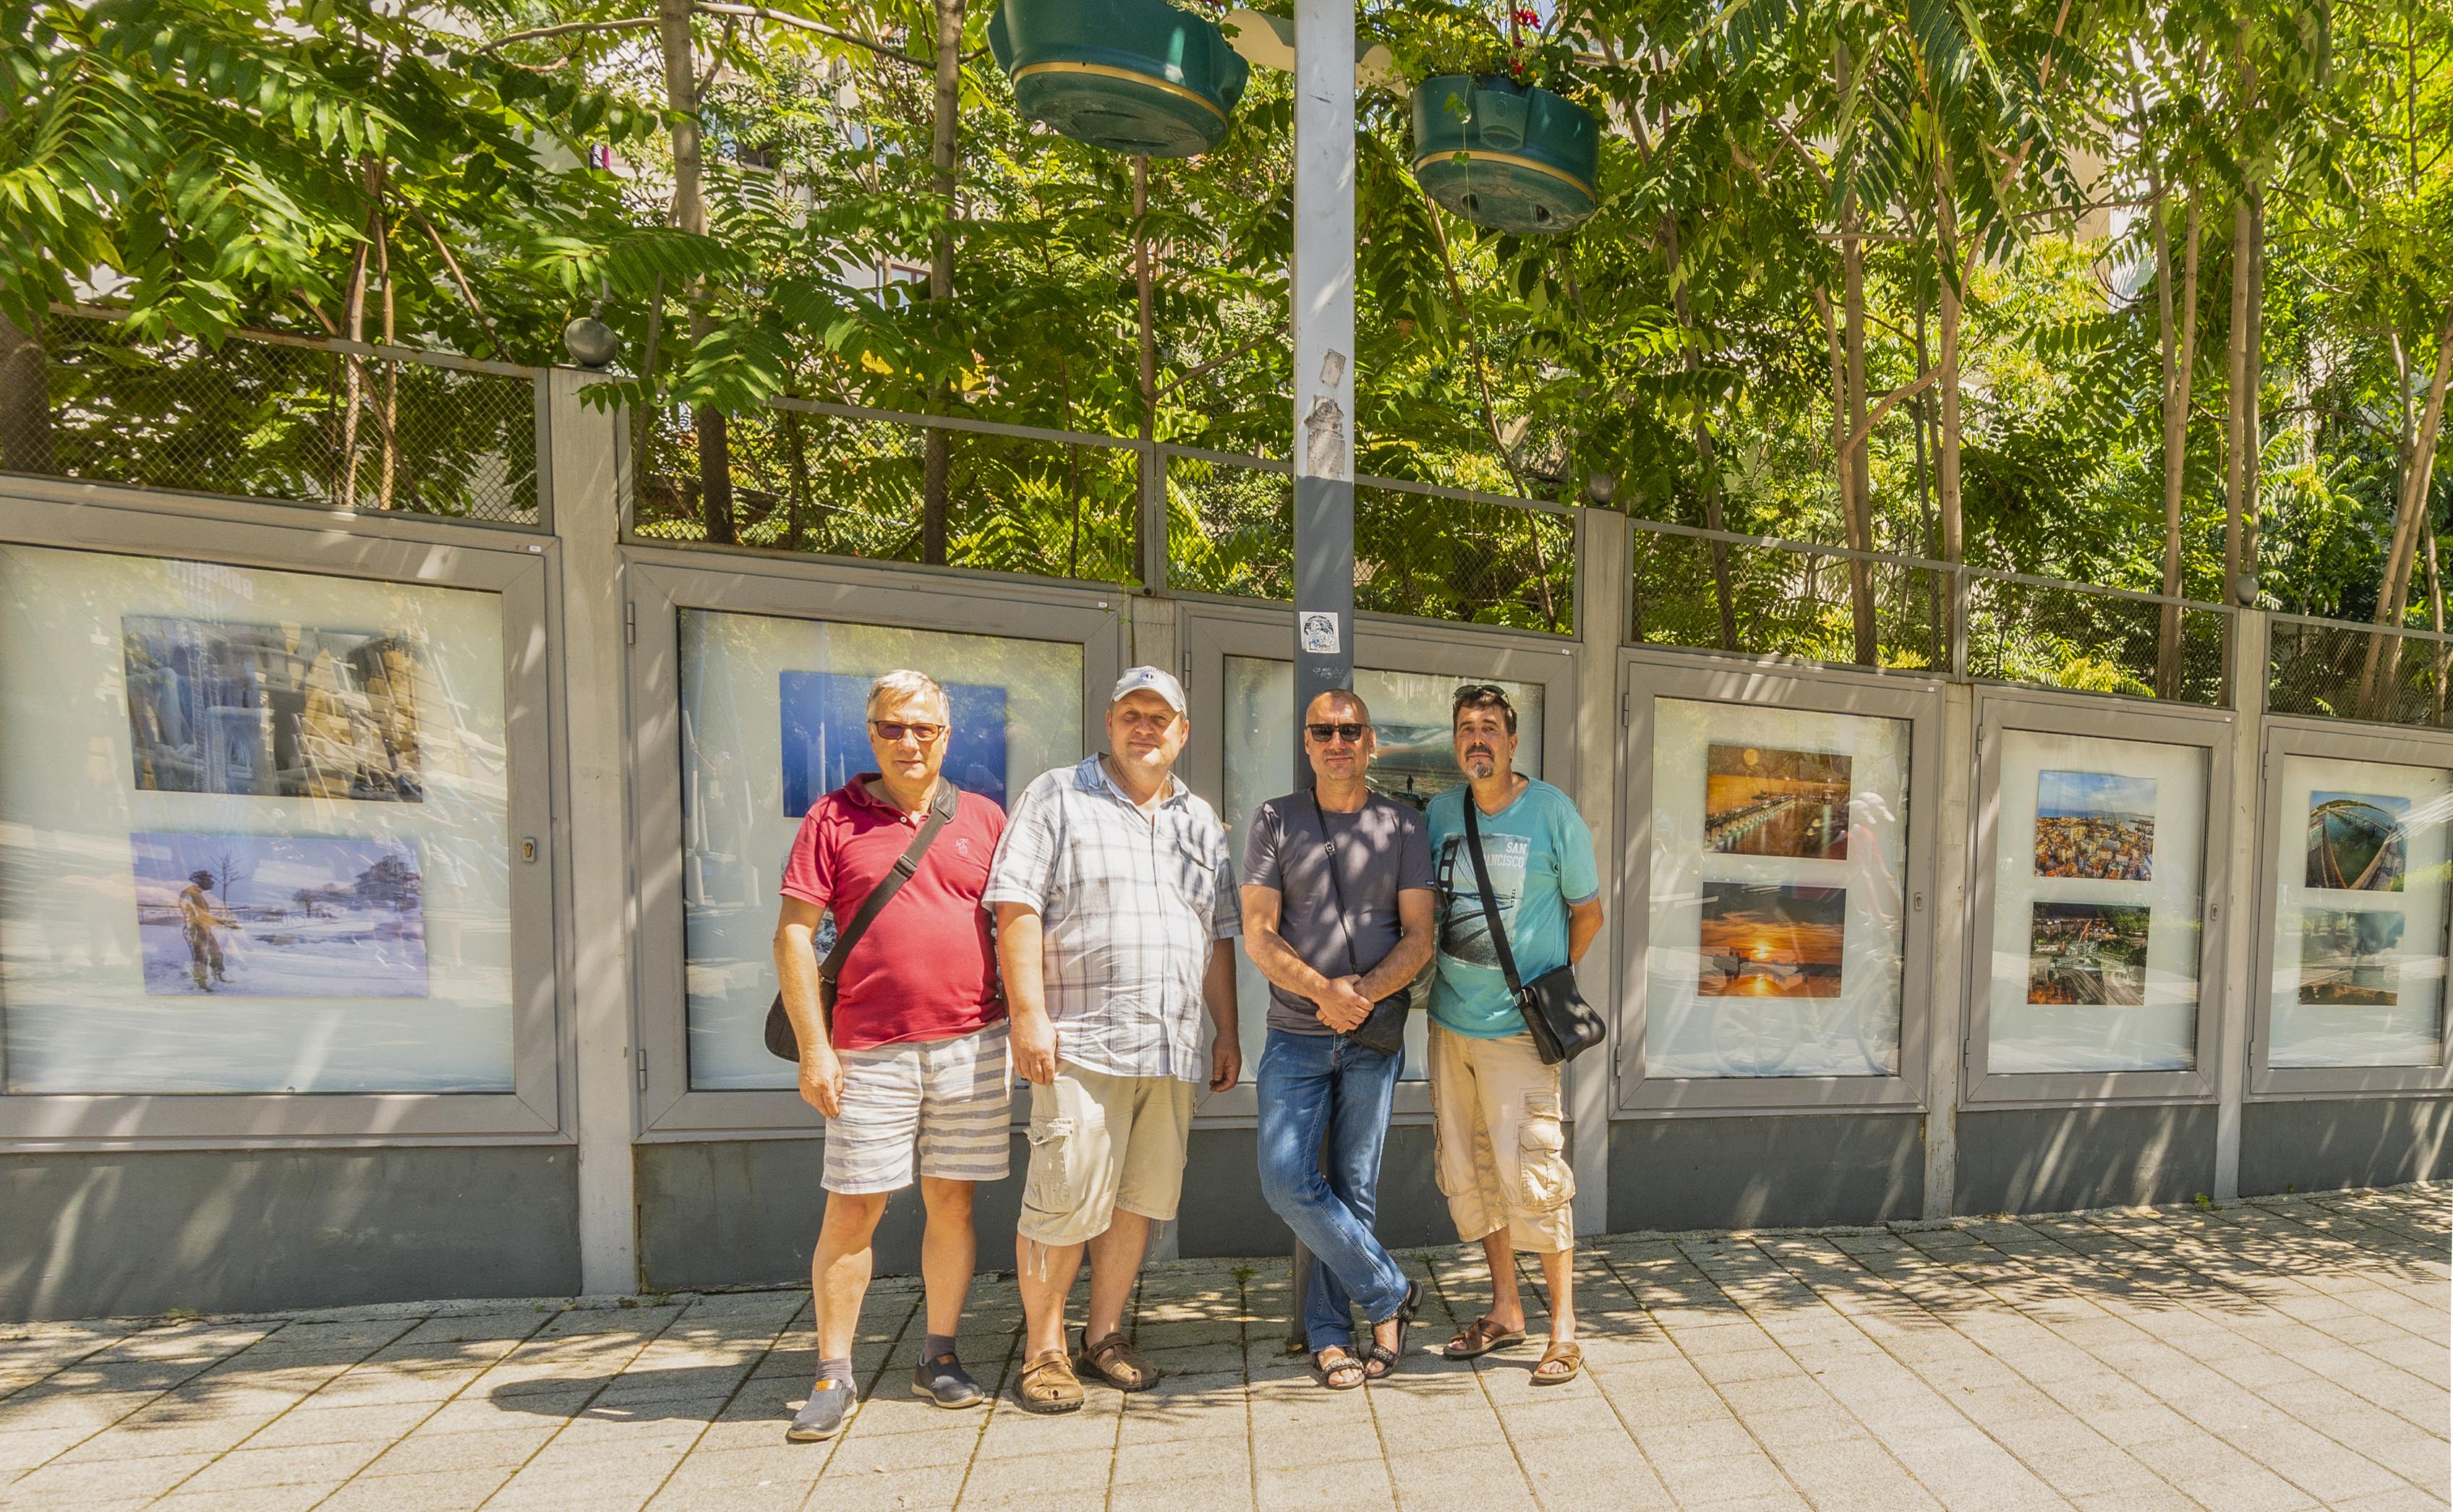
<point>1514,157</point>
<point>1137,76</point>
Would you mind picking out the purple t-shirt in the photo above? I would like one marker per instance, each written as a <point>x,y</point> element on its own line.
<point>1380,850</point>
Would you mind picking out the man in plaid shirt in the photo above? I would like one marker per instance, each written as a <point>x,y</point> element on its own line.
<point>1116,910</point>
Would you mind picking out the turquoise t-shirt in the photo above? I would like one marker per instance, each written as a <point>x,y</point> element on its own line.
<point>1541,859</point>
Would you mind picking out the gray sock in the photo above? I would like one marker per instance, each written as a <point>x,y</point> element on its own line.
<point>838,1370</point>
<point>936,1346</point>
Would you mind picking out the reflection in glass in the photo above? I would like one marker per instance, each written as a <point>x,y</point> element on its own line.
<point>774,715</point>
<point>1780,844</point>
<point>2098,865</point>
<point>1416,762</point>
<point>258,830</point>
<point>2361,883</point>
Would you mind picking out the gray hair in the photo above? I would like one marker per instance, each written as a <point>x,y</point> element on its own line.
<point>903,683</point>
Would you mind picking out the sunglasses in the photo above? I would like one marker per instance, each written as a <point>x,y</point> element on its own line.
<point>891,730</point>
<point>1351,734</point>
<point>1476,692</point>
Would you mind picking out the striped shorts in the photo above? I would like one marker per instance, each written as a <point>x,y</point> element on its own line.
<point>948,1099</point>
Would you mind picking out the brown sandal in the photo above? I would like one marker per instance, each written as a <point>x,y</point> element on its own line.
<point>1113,1361</point>
<point>1479,1338</point>
<point>1049,1385</point>
<point>1566,1352</point>
<point>1327,1371</point>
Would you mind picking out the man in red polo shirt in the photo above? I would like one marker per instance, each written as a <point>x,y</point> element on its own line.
<point>916,1060</point>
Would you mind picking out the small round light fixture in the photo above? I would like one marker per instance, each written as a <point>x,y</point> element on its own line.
<point>589,341</point>
<point>1601,487</point>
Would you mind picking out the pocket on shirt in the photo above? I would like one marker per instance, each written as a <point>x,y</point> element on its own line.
<point>1545,1180</point>
<point>1194,876</point>
<point>1053,1181</point>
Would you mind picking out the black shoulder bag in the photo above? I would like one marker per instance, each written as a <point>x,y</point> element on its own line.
<point>1383,1028</point>
<point>1562,1025</point>
<point>781,1040</point>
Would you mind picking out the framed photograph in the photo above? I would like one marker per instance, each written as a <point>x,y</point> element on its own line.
<point>2358,841</point>
<point>825,736</point>
<point>2088,953</point>
<point>2098,825</point>
<point>1772,941</point>
<point>1762,802</point>
<point>275,710</point>
<point>2350,959</point>
<point>271,916</point>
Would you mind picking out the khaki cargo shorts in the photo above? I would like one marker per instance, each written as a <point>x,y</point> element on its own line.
<point>1503,1144</point>
<point>1099,1143</point>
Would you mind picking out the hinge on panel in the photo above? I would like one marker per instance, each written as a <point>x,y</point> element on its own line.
<point>642,1070</point>
<point>1187,669</point>
<point>630,623</point>
<point>1627,707</point>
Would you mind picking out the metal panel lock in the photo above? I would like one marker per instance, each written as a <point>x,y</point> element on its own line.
<point>528,847</point>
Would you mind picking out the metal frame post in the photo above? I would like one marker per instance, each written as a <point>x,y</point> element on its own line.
<point>1321,285</point>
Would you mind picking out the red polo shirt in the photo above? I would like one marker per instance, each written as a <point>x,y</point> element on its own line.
<point>926,969</point>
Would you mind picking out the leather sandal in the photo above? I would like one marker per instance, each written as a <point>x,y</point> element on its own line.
<point>1114,1361</point>
<point>1564,1352</point>
<point>1326,1370</point>
<point>1380,1361</point>
<point>1048,1386</point>
<point>1479,1338</point>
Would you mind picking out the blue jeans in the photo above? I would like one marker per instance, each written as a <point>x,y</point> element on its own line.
<point>1313,1085</point>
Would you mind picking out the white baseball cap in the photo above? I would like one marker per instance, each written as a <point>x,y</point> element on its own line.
<point>1155,679</point>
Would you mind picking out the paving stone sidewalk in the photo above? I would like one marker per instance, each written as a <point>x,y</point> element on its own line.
<point>2283,1352</point>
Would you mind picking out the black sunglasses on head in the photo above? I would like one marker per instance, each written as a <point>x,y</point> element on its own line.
<point>1351,734</point>
<point>1481,693</point>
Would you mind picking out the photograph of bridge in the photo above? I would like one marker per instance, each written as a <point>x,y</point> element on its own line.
<point>1759,802</point>
<point>2095,824</point>
<point>2088,953</point>
<point>2355,841</point>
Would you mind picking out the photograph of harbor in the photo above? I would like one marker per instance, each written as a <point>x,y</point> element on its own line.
<point>1759,802</point>
<point>2095,824</point>
<point>2089,953</point>
<point>2355,841</point>
<point>1771,942</point>
<point>2350,959</point>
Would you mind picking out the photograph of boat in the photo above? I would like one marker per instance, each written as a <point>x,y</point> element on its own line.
<point>1759,802</point>
<point>2350,959</point>
<point>1771,942</point>
<point>2095,824</point>
<point>2088,953</point>
<point>2355,841</point>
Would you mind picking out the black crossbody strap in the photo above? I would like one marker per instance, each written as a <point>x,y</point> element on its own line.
<point>941,808</point>
<point>1335,887</point>
<point>1489,902</point>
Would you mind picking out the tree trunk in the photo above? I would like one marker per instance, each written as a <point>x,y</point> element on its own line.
<point>944,157</point>
<point>689,214</point>
<point>1713,517</point>
<point>1947,434</point>
<point>796,519</point>
<point>25,400</point>
<point>2238,442</point>
<point>388,418</point>
<point>2180,357</point>
<point>2253,416</point>
<point>2383,662</point>
<point>354,372</point>
<point>1145,350</point>
<point>1858,493</point>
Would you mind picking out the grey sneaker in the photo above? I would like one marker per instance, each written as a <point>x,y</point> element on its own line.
<point>945,1381</point>
<point>830,1406</point>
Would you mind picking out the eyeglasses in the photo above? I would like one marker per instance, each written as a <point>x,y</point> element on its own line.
<point>1480,692</point>
<point>893,729</point>
<point>1351,734</point>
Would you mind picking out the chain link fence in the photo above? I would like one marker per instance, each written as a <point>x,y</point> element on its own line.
<point>1719,592</point>
<point>844,482</point>
<point>2356,671</point>
<point>1230,525</point>
<point>288,419</point>
<point>2094,640</point>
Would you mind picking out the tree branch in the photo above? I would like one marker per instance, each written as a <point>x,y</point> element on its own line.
<point>718,7</point>
<point>1210,367</point>
<point>460,278</point>
<point>565,28</point>
<point>1891,402</point>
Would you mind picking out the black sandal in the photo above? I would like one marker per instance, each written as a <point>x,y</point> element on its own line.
<point>1322,1373</point>
<point>1384,1357</point>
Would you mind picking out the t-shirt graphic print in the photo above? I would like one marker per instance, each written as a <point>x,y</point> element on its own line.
<point>1464,924</point>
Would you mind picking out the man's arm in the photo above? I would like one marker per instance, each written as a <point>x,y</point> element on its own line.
<point>1338,1005</point>
<point>1025,992</point>
<point>1583,922</point>
<point>1405,961</point>
<point>1218,994</point>
<point>796,972</point>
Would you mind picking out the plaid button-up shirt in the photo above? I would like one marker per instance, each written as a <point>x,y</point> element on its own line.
<point>1128,908</point>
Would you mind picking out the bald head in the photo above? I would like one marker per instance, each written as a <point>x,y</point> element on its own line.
<point>1338,704</point>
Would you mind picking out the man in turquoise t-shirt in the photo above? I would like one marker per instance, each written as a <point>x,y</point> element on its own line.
<point>1495,1108</point>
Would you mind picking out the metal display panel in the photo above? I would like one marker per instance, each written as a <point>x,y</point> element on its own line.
<point>2173,764</point>
<point>1781,698</point>
<point>217,536</point>
<point>1224,644</point>
<point>783,596</point>
<point>2285,900</point>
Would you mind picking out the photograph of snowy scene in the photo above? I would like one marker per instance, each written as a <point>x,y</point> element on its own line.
<point>277,710</point>
<point>269,916</point>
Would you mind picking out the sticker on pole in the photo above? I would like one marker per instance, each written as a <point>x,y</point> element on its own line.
<point>1317,633</point>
